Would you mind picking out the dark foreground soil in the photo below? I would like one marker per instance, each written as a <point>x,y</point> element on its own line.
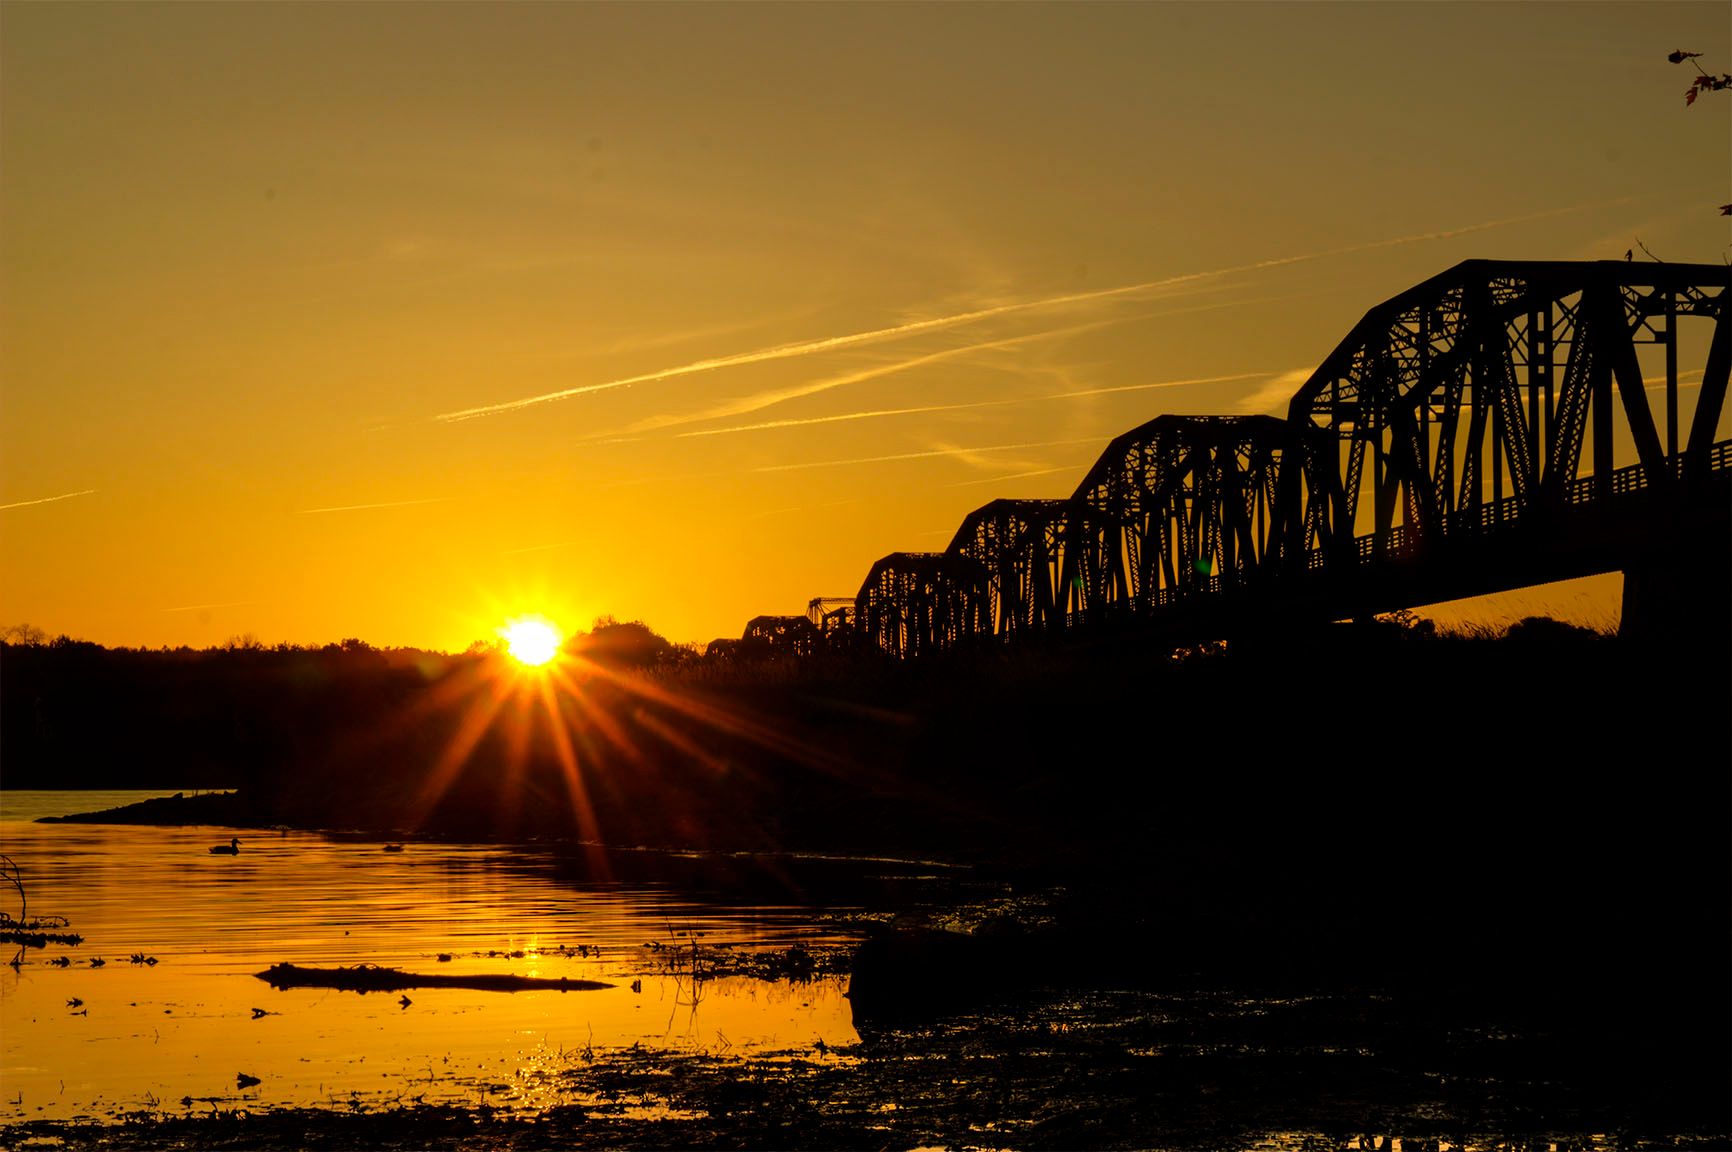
<point>1102,1069</point>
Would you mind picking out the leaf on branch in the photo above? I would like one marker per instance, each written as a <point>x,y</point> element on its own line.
<point>1690,96</point>
<point>1678,56</point>
<point>1726,209</point>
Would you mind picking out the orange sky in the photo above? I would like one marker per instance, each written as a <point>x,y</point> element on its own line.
<point>393,321</point>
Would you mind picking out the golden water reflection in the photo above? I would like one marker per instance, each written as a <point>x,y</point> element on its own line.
<point>98,1040</point>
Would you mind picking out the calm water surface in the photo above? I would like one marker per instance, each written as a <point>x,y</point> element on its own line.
<point>144,1035</point>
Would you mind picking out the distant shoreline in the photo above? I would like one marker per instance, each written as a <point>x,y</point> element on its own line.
<point>163,811</point>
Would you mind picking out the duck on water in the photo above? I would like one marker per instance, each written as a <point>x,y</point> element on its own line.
<point>232,848</point>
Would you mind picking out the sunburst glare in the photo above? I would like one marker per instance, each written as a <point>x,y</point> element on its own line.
<point>532,640</point>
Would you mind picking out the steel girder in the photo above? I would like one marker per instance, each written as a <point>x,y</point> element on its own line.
<point>1180,506</point>
<point>831,614</point>
<point>1480,398</point>
<point>1019,547</point>
<point>834,618</point>
<point>794,635</point>
<point>915,602</point>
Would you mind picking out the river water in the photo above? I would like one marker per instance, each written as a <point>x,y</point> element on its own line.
<point>161,1003</point>
<point>159,1013</point>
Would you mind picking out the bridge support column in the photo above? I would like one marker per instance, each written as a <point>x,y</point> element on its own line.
<point>1682,603</point>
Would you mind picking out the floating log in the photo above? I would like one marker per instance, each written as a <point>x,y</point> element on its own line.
<point>372,978</point>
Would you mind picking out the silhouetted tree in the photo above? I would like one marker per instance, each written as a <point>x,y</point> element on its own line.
<point>629,645</point>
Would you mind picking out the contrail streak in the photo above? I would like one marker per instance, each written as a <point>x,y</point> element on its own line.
<point>971,404</point>
<point>922,455</point>
<point>896,331</point>
<point>47,499</point>
<point>1014,476</point>
<point>201,607</point>
<point>781,395</point>
<point>388,504</point>
<point>957,452</point>
<point>801,348</point>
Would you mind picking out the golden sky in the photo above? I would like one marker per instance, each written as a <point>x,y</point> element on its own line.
<point>395,320</point>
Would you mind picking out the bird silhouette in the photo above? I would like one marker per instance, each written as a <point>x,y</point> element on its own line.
<point>232,848</point>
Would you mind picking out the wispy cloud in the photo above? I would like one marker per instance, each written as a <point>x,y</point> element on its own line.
<point>980,459</point>
<point>386,504</point>
<point>48,499</point>
<point>205,607</point>
<point>912,327</point>
<point>1272,398</point>
<point>1689,378</point>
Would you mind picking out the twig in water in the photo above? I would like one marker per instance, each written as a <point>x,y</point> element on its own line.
<point>9,872</point>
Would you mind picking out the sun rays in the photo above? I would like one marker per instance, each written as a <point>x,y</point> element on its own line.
<point>581,747</point>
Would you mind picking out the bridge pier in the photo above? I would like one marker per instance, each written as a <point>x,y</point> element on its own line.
<point>1682,603</point>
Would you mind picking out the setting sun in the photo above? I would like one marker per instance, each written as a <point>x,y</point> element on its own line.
<point>532,640</point>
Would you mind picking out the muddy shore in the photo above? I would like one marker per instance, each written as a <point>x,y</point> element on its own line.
<point>1103,1070</point>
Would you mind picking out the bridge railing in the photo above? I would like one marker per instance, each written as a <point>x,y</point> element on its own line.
<point>1502,515</point>
<point>1634,477</point>
<point>1400,543</point>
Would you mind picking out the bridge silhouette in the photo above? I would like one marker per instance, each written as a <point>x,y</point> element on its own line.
<point>1500,425</point>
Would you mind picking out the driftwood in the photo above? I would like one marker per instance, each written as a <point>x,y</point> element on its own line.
<point>372,978</point>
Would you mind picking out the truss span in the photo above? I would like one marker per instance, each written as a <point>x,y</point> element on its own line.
<point>1502,424</point>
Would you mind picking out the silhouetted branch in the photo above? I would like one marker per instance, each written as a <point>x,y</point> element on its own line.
<point>1705,81</point>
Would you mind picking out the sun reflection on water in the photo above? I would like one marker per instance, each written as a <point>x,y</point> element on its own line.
<point>184,1031</point>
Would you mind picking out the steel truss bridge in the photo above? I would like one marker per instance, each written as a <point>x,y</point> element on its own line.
<point>1500,425</point>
